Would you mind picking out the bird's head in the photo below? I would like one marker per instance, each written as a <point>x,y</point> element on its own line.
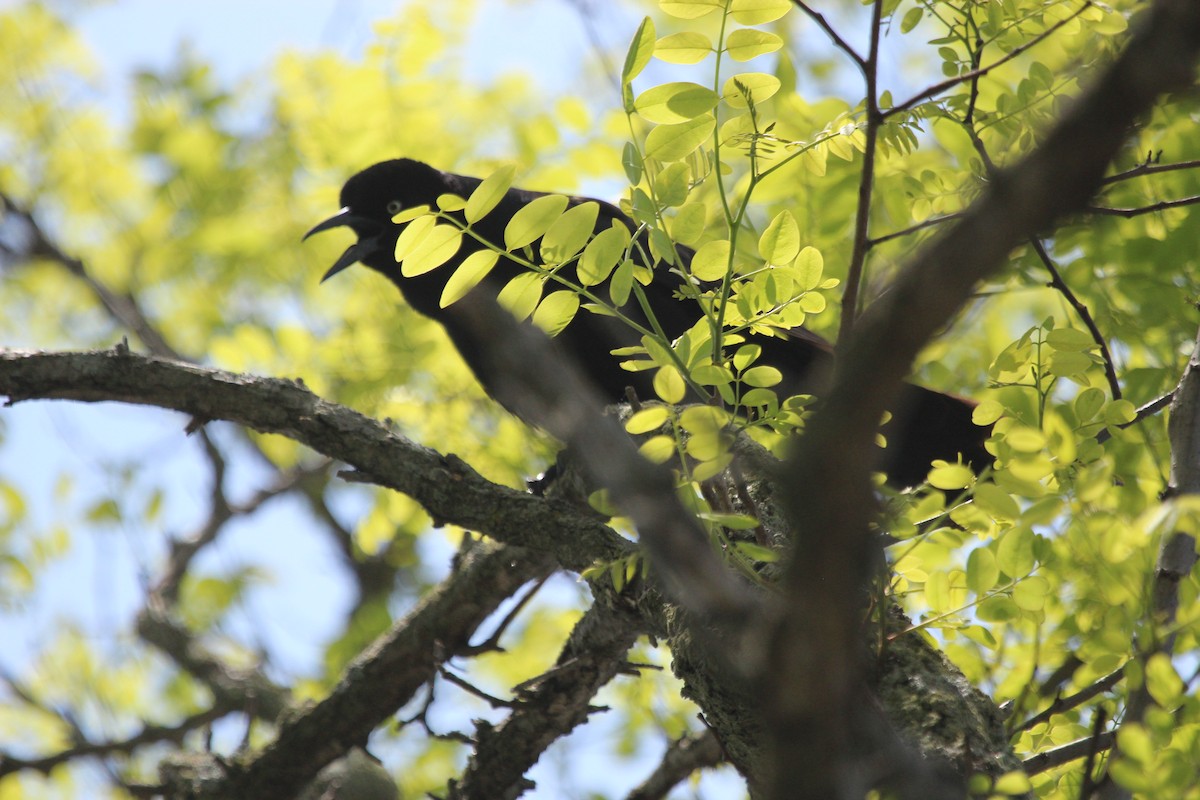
<point>370,200</point>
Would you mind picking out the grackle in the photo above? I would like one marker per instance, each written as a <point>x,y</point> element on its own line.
<point>928,424</point>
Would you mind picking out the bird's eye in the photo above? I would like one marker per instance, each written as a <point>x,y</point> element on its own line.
<point>395,207</point>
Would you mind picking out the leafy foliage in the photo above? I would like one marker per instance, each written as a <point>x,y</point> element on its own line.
<point>1036,578</point>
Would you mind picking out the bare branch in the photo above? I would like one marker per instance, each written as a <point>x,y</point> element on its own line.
<point>1128,213</point>
<point>838,41</point>
<point>684,756</point>
<point>448,488</point>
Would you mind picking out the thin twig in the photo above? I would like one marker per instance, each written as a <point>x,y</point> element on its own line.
<point>1128,213</point>
<point>1149,168</point>
<point>1057,283</point>
<point>838,41</point>
<point>858,256</point>
<point>1063,704</point>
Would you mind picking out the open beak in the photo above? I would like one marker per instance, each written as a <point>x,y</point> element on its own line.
<point>368,230</point>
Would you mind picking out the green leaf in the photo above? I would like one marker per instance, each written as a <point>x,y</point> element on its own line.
<point>569,233</point>
<point>451,202</point>
<point>533,220</point>
<point>1013,784</point>
<point>658,449</point>
<point>683,48</point>
<point>520,295</point>
<point>1030,594</point>
<point>711,261</point>
<point>671,185</point>
<point>780,242</point>
<point>987,412</point>
<point>911,18</point>
<point>746,355</point>
<point>995,501</point>
<point>470,272</point>
<point>1088,403</point>
<point>747,43</point>
<point>621,284</point>
<point>755,551</point>
<point>762,376</point>
<point>734,522</point>
<point>687,226</point>
<point>756,12</point>
<point>435,248</point>
<point>556,311</point>
<point>1163,682</point>
<point>489,193</point>
<point>690,9</point>
<point>809,266</point>
<point>756,86</point>
<point>648,419</point>
<point>673,142</point>
<point>950,476</point>
<point>669,385</point>
<point>602,254</point>
<point>671,103</point>
<point>631,161</point>
<point>640,51</point>
<point>413,235</point>
<point>982,572</point>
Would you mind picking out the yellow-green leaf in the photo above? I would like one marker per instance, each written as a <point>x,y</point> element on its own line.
<point>690,9</point>
<point>756,12</point>
<point>757,86</point>
<point>809,266</point>
<point>435,248</point>
<point>470,272</point>
<point>671,185</point>
<point>669,385</point>
<point>533,220</point>
<point>556,311</point>
<point>602,254</point>
<point>413,235</point>
<point>621,284</point>
<point>673,142</point>
<point>671,103</point>
<point>711,261</point>
<point>780,242</point>
<point>659,449</point>
<point>687,226</point>
<point>683,48</point>
<point>747,43</point>
<point>569,233</point>
<point>950,476</point>
<point>490,192</point>
<point>982,572</point>
<point>762,377</point>
<point>640,51</point>
<point>648,419</point>
<point>451,202</point>
<point>520,295</point>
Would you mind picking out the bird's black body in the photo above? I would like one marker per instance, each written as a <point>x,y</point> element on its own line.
<point>930,425</point>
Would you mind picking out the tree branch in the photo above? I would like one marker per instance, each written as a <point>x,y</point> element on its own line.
<point>811,679</point>
<point>448,488</point>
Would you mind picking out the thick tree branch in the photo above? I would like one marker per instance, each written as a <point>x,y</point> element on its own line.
<point>449,489</point>
<point>551,705</point>
<point>384,677</point>
<point>812,677</point>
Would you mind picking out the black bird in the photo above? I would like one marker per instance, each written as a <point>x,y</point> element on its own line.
<point>929,425</point>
